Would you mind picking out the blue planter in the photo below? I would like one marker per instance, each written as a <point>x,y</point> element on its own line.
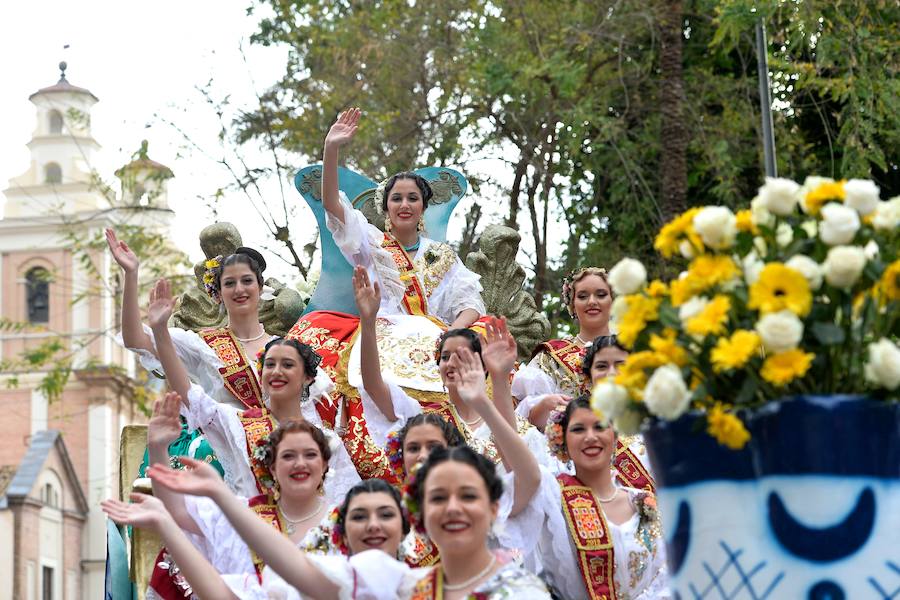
<point>810,509</point>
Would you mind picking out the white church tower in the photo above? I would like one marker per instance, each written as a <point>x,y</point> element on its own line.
<point>60,455</point>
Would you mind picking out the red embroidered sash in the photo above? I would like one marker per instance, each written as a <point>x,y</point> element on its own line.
<point>631,471</point>
<point>238,374</point>
<point>590,532</point>
<point>267,510</point>
<point>424,554</point>
<point>429,587</point>
<point>570,356</point>
<point>414,297</point>
<point>257,423</point>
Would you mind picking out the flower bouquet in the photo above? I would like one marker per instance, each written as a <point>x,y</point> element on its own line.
<point>765,379</point>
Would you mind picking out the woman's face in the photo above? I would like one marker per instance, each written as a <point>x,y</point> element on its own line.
<point>373,522</point>
<point>592,301</point>
<point>607,362</point>
<point>589,442</point>
<point>419,442</point>
<point>457,509</point>
<point>239,289</point>
<point>405,205</point>
<point>299,466</point>
<point>449,376</point>
<point>283,374</point>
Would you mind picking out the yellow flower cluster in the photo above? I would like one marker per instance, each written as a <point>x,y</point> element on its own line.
<point>816,198</point>
<point>704,272</point>
<point>666,346</point>
<point>726,428</point>
<point>680,229</point>
<point>734,352</point>
<point>782,368</point>
<point>639,311</point>
<point>712,319</point>
<point>744,221</point>
<point>889,284</point>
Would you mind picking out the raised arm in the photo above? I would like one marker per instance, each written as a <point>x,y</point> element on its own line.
<point>340,134</point>
<point>498,351</point>
<point>368,300</point>
<point>161,306</point>
<point>147,512</point>
<point>276,550</point>
<point>517,458</point>
<point>133,335</point>
<point>464,319</point>
<point>163,429</point>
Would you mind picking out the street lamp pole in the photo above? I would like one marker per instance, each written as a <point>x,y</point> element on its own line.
<point>765,100</point>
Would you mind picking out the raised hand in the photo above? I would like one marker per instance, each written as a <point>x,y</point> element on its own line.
<point>122,254</point>
<point>498,348</point>
<point>145,512</point>
<point>165,426</point>
<point>367,293</point>
<point>197,479</point>
<point>471,385</point>
<point>343,129</point>
<point>162,304</point>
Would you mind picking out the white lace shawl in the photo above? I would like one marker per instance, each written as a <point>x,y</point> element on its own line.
<point>223,430</point>
<point>640,574</point>
<point>360,243</point>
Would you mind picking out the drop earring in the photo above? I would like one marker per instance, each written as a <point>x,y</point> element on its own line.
<point>387,224</point>
<point>420,226</point>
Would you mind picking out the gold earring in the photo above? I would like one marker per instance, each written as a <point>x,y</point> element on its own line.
<point>420,226</point>
<point>387,224</point>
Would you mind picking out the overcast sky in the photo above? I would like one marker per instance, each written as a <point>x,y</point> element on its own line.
<point>145,59</point>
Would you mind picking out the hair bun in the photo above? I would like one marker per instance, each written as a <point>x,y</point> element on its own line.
<point>254,254</point>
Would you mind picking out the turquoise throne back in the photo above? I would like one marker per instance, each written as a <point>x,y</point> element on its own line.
<point>335,289</point>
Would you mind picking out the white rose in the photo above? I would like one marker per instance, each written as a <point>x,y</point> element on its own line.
<point>687,249</point>
<point>760,246</point>
<point>627,277</point>
<point>861,195</point>
<point>811,227</point>
<point>692,308</point>
<point>616,311</point>
<point>609,398</point>
<point>629,422</point>
<point>752,266</point>
<point>871,249</point>
<point>780,331</point>
<point>784,234</point>
<point>844,265</point>
<point>779,196</point>
<point>839,224</point>
<point>883,366</point>
<point>809,184</point>
<point>759,214</point>
<point>716,226</point>
<point>666,395</point>
<point>809,268</point>
<point>887,214</point>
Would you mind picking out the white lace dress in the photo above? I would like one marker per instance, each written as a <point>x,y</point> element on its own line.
<point>539,377</point>
<point>639,549</point>
<point>406,407</point>
<point>406,342</point>
<point>222,427</point>
<point>200,361</point>
<point>231,557</point>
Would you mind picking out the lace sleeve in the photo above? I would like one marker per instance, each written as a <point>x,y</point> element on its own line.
<point>342,474</point>
<point>522,532</point>
<point>460,289</point>
<point>360,243</point>
<point>220,543</point>
<point>382,577</point>
<point>379,426</point>
<point>200,361</point>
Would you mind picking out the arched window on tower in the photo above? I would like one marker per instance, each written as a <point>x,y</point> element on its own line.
<point>52,173</point>
<point>37,295</point>
<point>56,121</point>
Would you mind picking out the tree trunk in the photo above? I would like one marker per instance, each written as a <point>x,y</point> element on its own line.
<point>512,217</point>
<point>674,133</point>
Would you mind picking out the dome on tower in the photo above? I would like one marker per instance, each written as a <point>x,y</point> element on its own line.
<point>63,86</point>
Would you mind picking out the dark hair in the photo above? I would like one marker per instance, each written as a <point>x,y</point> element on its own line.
<point>241,256</point>
<point>370,486</point>
<point>421,183</point>
<point>463,454</point>
<point>297,426</point>
<point>600,342</point>
<point>582,401</point>
<point>451,434</point>
<point>473,338</point>
<point>309,356</point>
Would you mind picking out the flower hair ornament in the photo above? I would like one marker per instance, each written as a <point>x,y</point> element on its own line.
<point>556,437</point>
<point>394,450</point>
<point>378,197</point>
<point>568,286</point>
<point>259,362</point>
<point>261,457</point>
<point>410,505</point>
<point>337,532</point>
<point>209,278</point>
